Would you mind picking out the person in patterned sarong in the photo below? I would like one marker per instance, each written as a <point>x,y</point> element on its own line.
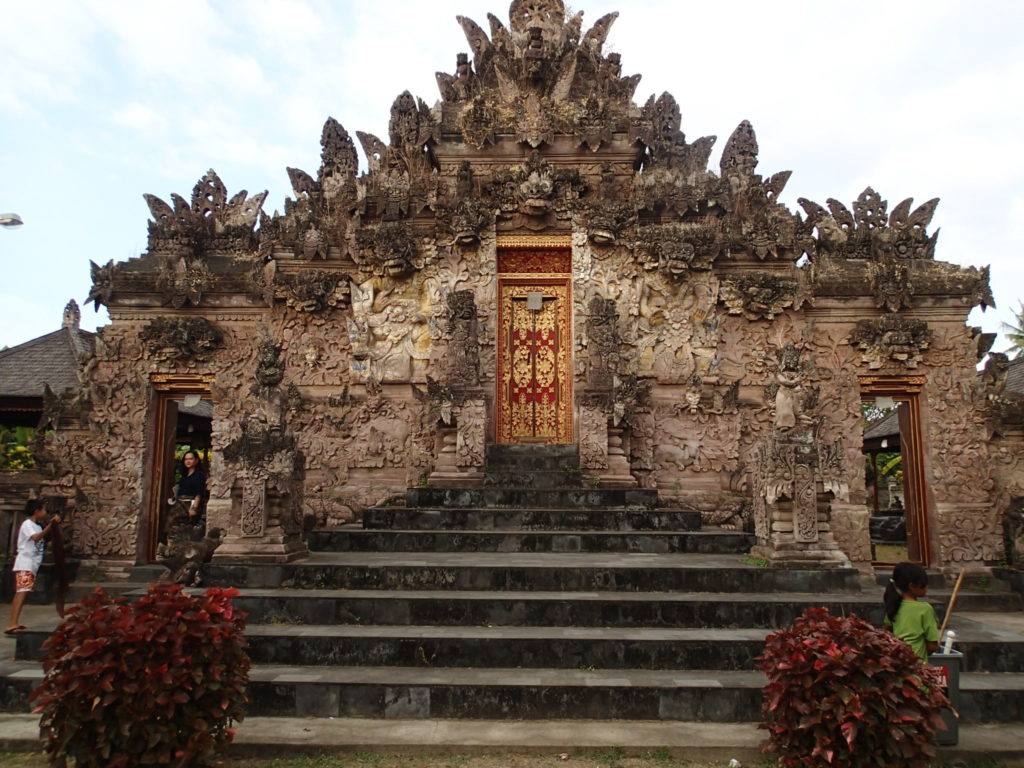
<point>29,558</point>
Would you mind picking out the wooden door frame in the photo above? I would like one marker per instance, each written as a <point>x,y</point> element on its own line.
<point>164,388</point>
<point>541,272</point>
<point>908,389</point>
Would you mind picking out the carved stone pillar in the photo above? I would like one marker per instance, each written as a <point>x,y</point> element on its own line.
<point>792,509</point>
<point>593,438</point>
<point>259,522</point>
<point>260,514</point>
<point>470,422</point>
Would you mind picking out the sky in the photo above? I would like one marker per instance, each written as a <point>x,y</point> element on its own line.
<point>102,101</point>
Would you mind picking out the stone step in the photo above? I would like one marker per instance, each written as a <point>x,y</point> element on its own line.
<point>559,609</point>
<point>633,572</point>
<point>356,539</point>
<point>536,478</point>
<point>402,692</point>
<point>540,519</point>
<point>535,647</point>
<point>532,456</point>
<point>565,498</point>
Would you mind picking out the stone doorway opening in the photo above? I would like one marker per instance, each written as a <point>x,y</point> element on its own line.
<point>893,471</point>
<point>183,421</point>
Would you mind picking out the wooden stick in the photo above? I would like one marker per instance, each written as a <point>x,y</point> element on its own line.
<point>952,602</point>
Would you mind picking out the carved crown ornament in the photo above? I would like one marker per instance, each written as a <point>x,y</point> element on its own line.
<point>210,223</point>
<point>537,76</point>
<point>868,232</point>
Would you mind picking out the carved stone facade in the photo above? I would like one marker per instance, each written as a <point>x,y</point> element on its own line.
<point>352,345</point>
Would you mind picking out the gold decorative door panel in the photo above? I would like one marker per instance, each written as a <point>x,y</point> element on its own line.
<point>534,382</point>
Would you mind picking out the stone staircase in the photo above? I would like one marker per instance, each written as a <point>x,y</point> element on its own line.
<point>535,597</point>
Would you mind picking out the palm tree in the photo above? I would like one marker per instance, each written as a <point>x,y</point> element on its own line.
<point>1015,333</point>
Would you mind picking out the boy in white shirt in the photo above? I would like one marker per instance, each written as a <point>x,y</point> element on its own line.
<point>30,557</point>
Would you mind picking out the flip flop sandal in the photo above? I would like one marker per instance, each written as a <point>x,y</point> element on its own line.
<point>14,631</point>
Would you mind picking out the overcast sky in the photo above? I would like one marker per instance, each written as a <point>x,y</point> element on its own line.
<point>101,102</point>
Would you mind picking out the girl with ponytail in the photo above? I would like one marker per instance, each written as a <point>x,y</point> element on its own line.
<point>910,618</point>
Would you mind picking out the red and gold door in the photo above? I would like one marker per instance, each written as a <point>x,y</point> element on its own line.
<point>534,381</point>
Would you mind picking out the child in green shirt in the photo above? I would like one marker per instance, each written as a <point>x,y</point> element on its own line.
<point>911,619</point>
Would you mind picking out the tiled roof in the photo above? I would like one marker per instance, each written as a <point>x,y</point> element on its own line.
<point>885,426</point>
<point>47,359</point>
<point>1015,376</point>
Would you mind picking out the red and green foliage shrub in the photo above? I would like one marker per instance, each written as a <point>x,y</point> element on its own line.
<point>157,682</point>
<point>843,693</point>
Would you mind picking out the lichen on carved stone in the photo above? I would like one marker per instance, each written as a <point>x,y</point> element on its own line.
<point>181,338</point>
<point>439,400</point>
<point>760,295</point>
<point>891,338</point>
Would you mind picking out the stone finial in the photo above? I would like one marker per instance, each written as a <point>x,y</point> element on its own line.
<point>72,316</point>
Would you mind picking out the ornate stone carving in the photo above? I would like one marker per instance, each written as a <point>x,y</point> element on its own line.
<point>211,223</point>
<point>891,282</point>
<point>760,296</point>
<point>868,233</point>
<point>971,534</point>
<point>789,394</point>
<point>312,291</point>
<point>390,249</point>
<point>535,190</point>
<point>463,340</point>
<point>270,367</point>
<point>891,338</point>
<point>609,221</point>
<point>677,249</point>
<point>182,338</point>
<point>602,343</point>
<point>472,422</point>
<point>466,221</point>
<point>102,283</point>
<point>183,281</point>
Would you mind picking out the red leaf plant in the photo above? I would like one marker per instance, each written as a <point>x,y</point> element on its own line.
<point>843,693</point>
<point>157,682</point>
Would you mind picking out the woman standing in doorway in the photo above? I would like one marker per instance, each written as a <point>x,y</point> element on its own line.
<point>187,503</point>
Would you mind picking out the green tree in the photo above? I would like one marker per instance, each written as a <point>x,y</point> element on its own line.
<point>1015,332</point>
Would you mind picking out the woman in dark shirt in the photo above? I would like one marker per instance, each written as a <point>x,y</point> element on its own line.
<point>186,519</point>
<point>193,481</point>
